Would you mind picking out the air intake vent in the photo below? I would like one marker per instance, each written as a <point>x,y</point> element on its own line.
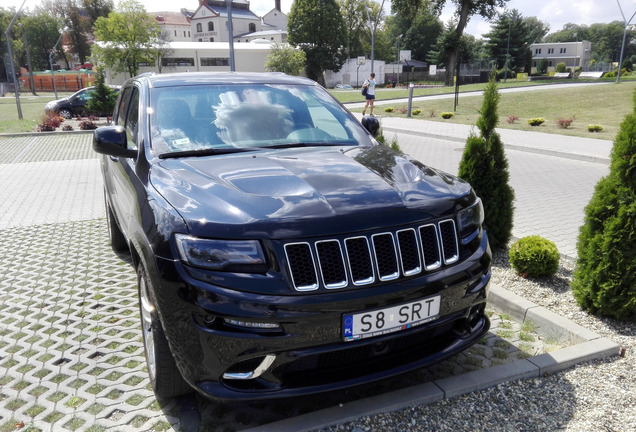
<point>363,260</point>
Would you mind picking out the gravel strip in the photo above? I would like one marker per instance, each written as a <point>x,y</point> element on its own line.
<point>595,396</point>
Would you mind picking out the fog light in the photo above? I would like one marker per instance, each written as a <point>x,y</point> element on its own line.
<point>253,325</point>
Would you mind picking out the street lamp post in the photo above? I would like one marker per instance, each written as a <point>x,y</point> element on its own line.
<point>16,86</point>
<point>508,48</point>
<point>51,59</point>
<point>398,60</point>
<point>230,33</point>
<point>372,33</point>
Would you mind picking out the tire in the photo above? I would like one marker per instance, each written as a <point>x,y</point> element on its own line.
<point>66,113</point>
<point>117,240</point>
<point>165,378</point>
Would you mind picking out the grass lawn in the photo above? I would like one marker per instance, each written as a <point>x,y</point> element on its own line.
<point>32,111</point>
<point>604,105</point>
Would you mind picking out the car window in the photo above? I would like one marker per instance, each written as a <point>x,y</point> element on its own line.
<point>123,107</point>
<point>132,118</point>
<point>244,116</point>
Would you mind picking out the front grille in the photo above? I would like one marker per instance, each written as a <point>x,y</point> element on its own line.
<point>362,260</point>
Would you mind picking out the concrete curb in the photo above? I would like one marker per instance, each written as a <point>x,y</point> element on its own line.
<point>589,346</point>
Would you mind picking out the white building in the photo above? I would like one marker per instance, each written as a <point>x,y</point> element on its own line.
<point>204,56</point>
<point>573,54</point>
<point>209,23</point>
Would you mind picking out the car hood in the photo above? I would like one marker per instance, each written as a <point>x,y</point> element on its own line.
<point>309,191</point>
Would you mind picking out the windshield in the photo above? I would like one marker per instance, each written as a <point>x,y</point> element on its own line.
<point>188,119</point>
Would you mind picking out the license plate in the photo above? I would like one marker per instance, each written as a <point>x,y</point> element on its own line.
<point>378,322</point>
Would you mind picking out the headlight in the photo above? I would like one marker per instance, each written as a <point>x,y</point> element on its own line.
<point>240,256</point>
<point>470,218</point>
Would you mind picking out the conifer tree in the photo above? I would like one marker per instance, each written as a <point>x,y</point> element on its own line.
<point>485,167</point>
<point>604,280</point>
<point>102,99</point>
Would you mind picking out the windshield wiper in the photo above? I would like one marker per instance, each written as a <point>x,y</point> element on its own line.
<point>308,144</point>
<point>205,152</point>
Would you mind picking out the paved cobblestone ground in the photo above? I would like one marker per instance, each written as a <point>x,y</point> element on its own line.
<point>71,354</point>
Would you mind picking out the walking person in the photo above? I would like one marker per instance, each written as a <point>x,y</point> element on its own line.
<point>369,83</point>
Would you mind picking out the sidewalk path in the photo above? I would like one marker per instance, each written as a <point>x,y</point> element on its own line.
<point>553,175</point>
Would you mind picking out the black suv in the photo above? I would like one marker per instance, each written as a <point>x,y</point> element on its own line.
<point>280,249</point>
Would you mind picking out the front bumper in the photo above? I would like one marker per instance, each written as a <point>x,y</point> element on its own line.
<point>220,356</point>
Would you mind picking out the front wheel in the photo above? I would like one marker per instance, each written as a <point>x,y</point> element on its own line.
<point>66,113</point>
<point>165,378</point>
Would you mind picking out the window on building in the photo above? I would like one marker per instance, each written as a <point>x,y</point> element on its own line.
<point>252,27</point>
<point>563,50</point>
<point>184,33</point>
<point>550,50</point>
<point>200,40</point>
<point>199,28</point>
<point>211,39</point>
<point>537,51</point>
<point>177,61</point>
<point>175,33</point>
<point>215,61</point>
<point>210,26</point>
<point>188,33</point>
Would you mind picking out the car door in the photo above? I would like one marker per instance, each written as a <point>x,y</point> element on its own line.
<point>122,177</point>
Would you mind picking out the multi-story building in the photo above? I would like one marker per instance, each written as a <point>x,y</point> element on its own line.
<point>573,54</point>
<point>208,23</point>
<point>175,26</point>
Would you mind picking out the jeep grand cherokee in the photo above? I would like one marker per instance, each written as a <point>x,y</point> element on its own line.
<point>280,249</point>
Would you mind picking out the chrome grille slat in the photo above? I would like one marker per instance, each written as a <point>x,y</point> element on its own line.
<point>331,264</point>
<point>361,260</point>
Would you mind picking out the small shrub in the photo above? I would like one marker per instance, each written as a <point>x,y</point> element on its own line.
<point>394,144</point>
<point>561,68</point>
<point>87,125</point>
<point>512,118</point>
<point>447,115</point>
<point>594,128</point>
<point>388,109</point>
<point>67,128</point>
<point>565,123</point>
<point>416,112</point>
<point>536,121</point>
<point>534,256</point>
<point>45,127</point>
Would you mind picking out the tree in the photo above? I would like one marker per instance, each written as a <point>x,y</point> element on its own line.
<point>318,29</point>
<point>465,9</point>
<point>355,24</point>
<point>423,34</point>
<point>102,98</point>
<point>604,280</point>
<point>285,58</point>
<point>510,38</point>
<point>42,30</point>
<point>128,36</point>
<point>536,29</point>
<point>485,167</point>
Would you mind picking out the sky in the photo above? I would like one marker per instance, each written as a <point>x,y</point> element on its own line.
<point>554,12</point>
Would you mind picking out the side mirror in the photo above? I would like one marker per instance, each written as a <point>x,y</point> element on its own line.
<point>112,141</point>
<point>371,124</point>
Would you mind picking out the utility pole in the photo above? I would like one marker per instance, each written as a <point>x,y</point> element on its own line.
<point>16,86</point>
